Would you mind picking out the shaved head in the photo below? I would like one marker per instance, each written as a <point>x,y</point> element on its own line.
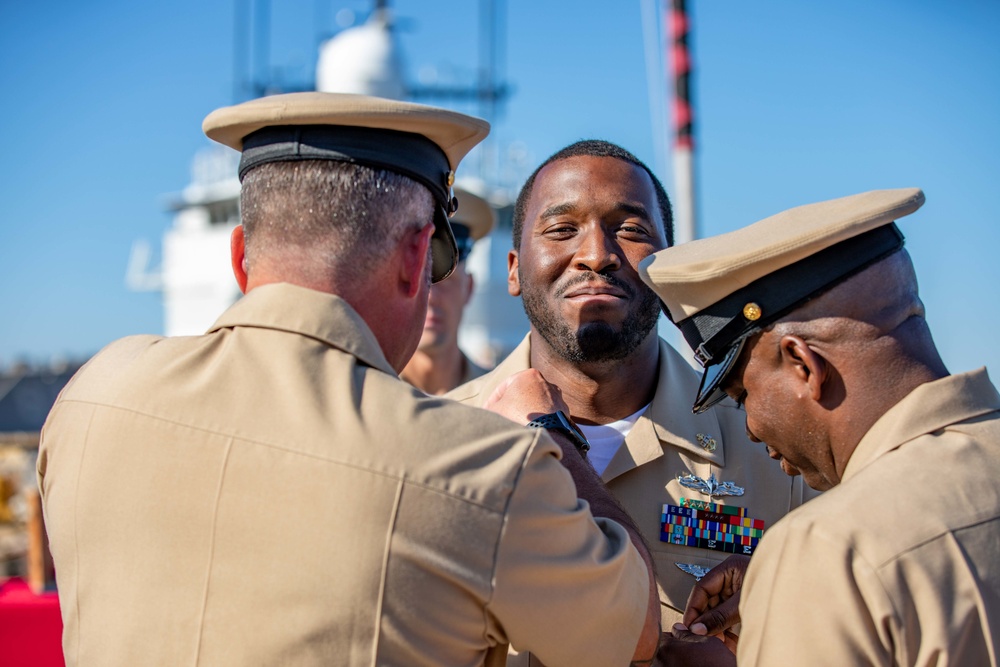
<point>877,311</point>
<point>814,382</point>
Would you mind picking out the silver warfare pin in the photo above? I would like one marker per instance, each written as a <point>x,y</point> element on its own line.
<point>710,487</point>
<point>696,571</point>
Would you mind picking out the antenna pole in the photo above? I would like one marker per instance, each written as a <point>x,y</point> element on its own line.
<point>685,219</point>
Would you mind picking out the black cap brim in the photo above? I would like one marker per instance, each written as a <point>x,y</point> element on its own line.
<point>444,250</point>
<point>717,331</point>
<point>713,381</point>
<point>405,153</point>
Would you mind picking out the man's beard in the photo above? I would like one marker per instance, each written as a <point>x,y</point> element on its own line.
<point>594,341</point>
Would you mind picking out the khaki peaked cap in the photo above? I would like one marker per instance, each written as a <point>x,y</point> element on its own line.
<point>474,212</point>
<point>455,133</point>
<point>420,142</point>
<point>473,220</point>
<point>720,290</point>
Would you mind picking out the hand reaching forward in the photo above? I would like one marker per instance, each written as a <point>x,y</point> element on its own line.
<point>525,396</point>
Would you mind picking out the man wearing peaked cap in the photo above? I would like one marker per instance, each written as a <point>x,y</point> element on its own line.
<point>811,320</point>
<point>271,493</point>
<point>422,143</point>
<point>439,365</point>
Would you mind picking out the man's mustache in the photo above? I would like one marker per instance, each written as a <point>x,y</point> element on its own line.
<point>593,277</point>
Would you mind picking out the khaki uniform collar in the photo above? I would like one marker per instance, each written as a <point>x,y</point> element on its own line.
<point>517,361</point>
<point>479,389</point>
<point>667,421</point>
<point>928,408</point>
<point>325,317</point>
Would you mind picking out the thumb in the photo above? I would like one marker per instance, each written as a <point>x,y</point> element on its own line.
<point>498,393</point>
<point>717,619</point>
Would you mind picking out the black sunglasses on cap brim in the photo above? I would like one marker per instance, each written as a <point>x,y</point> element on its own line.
<point>711,390</point>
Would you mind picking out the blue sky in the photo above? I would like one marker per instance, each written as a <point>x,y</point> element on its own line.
<point>795,102</point>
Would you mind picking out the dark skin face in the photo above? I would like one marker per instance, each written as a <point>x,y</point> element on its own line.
<point>589,221</point>
<point>771,383</point>
<point>815,382</point>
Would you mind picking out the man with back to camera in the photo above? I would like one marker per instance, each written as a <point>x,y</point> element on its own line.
<point>582,223</point>
<point>272,493</point>
<point>811,320</point>
<point>439,364</point>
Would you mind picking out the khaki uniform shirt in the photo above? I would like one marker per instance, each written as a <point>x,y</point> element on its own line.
<point>900,563</point>
<point>667,441</point>
<point>271,493</point>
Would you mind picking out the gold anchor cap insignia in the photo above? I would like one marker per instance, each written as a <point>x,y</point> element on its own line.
<point>752,311</point>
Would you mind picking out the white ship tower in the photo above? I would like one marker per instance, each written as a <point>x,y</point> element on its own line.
<point>195,276</point>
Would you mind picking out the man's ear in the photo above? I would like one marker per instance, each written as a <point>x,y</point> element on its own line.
<point>513,279</point>
<point>237,251</point>
<point>807,366</point>
<point>415,247</point>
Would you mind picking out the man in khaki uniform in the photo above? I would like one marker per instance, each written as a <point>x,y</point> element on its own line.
<point>582,223</point>
<point>439,364</point>
<point>271,492</point>
<point>811,319</point>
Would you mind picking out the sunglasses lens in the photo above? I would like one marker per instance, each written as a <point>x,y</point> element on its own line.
<point>711,392</point>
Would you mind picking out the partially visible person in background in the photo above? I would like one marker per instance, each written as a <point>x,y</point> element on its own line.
<point>439,365</point>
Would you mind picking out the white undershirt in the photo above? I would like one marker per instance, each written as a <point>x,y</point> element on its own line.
<point>605,439</point>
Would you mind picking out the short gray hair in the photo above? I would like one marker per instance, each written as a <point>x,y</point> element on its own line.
<point>340,210</point>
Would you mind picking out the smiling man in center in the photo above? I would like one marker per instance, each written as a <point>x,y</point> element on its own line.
<point>695,486</point>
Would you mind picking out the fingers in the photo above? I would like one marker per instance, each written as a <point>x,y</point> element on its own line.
<point>699,601</point>
<point>718,619</point>
<point>681,632</point>
<point>707,593</point>
<point>717,590</point>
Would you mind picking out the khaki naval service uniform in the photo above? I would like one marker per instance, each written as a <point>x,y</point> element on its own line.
<point>667,442</point>
<point>270,493</point>
<point>900,563</point>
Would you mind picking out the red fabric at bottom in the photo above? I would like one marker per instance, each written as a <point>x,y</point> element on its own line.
<point>30,627</point>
